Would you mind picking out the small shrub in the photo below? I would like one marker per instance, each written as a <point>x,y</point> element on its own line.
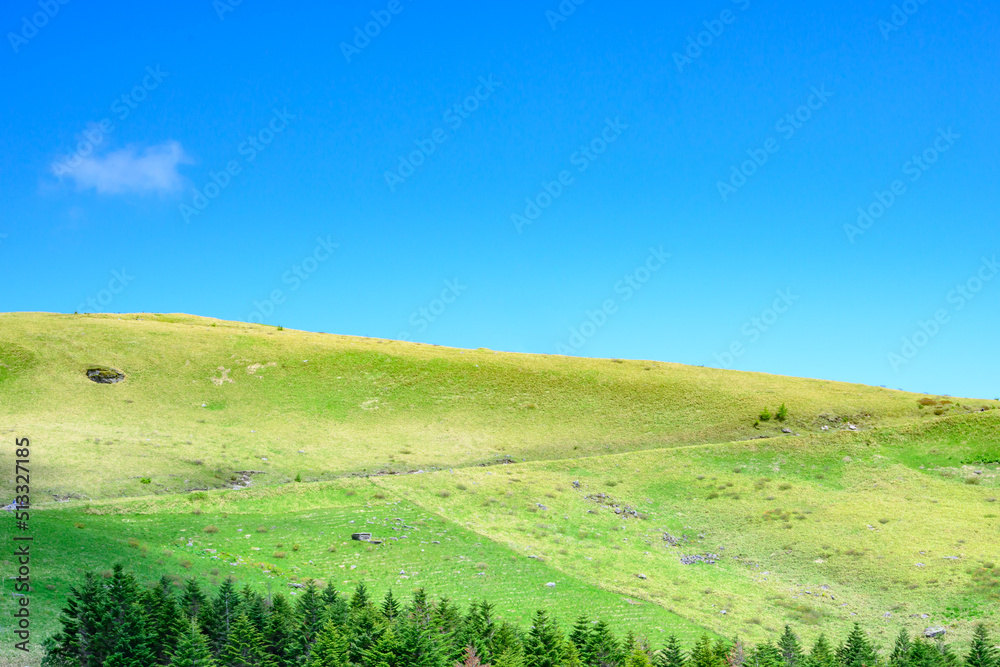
<point>210,529</point>
<point>78,525</point>
<point>278,545</point>
<point>461,487</point>
<point>279,554</point>
<point>295,547</point>
<point>612,483</point>
<point>214,572</point>
<point>712,496</point>
<point>298,477</point>
<point>331,548</point>
<point>261,529</point>
<point>782,413</point>
<point>765,415</point>
<point>145,480</point>
<point>196,511</point>
<point>883,521</point>
<point>785,486</point>
<point>972,480</point>
<point>379,496</point>
<point>134,543</point>
<point>186,564</point>
<point>989,500</point>
<point>444,494</point>
<point>349,492</point>
<point>738,470</point>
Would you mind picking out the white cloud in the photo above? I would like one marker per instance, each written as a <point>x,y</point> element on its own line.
<point>127,170</point>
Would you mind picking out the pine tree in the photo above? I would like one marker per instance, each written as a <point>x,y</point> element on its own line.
<point>857,650</point>
<point>337,609</point>
<point>765,654</point>
<point>982,653</point>
<point>579,636</point>
<point>510,658</point>
<point>363,632</point>
<point>418,644</point>
<point>165,622</point>
<point>702,654</point>
<point>192,649</point>
<point>924,654</point>
<point>478,629</point>
<point>360,599</point>
<point>544,646</point>
<point>822,654</point>
<point>280,633</point>
<point>421,608</point>
<point>192,599</point>
<point>252,604</point>
<point>671,655</point>
<point>507,642</point>
<point>603,649</point>
<point>390,606</point>
<point>900,656</point>
<point>71,645</point>
<point>791,650</point>
<point>310,617</point>
<point>244,646</point>
<point>122,638</point>
<point>638,658</point>
<point>383,652</point>
<point>217,616</point>
<point>330,649</point>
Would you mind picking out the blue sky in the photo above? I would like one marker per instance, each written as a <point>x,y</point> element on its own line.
<point>659,181</point>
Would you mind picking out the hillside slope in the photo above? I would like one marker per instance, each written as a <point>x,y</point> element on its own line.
<point>204,399</point>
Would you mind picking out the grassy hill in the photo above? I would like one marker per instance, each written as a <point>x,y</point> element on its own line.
<point>203,398</point>
<point>600,471</point>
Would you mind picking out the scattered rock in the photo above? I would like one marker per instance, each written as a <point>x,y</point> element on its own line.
<point>700,558</point>
<point>846,459</point>
<point>824,427</point>
<point>551,584</point>
<point>934,631</point>
<point>102,375</point>
<point>576,484</point>
<point>641,576</point>
<point>852,427</point>
<point>786,430</point>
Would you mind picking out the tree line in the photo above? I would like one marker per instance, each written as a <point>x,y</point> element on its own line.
<point>115,622</point>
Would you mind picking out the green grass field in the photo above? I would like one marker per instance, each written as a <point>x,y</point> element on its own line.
<point>819,527</point>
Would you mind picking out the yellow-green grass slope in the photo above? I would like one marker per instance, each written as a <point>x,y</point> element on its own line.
<point>203,399</point>
<point>818,529</point>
